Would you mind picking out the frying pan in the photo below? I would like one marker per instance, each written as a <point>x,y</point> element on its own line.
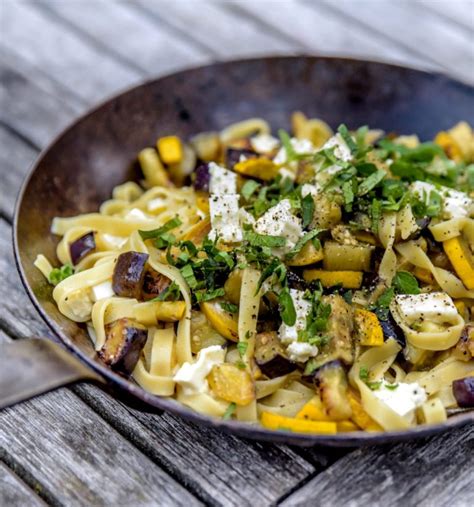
<point>79,169</point>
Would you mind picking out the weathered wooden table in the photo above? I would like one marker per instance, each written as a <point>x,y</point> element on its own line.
<point>79,446</point>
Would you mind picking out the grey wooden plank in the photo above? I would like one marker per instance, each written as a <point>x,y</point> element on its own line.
<point>221,469</point>
<point>128,33</point>
<point>433,472</point>
<point>14,492</point>
<point>37,112</point>
<point>225,34</point>
<point>410,25</point>
<point>69,58</point>
<point>68,447</point>
<point>323,30</point>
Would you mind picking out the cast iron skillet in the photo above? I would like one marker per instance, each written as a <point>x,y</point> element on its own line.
<point>79,169</point>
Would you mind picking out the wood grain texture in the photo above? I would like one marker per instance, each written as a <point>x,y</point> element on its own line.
<point>14,492</point>
<point>435,472</point>
<point>430,37</point>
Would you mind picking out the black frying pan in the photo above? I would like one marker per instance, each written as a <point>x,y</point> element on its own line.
<point>79,169</point>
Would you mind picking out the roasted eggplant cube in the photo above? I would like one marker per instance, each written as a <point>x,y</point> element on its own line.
<point>270,355</point>
<point>463,390</point>
<point>81,247</point>
<point>154,284</point>
<point>331,380</point>
<point>392,330</point>
<point>129,273</point>
<point>202,177</point>
<point>233,155</point>
<point>125,339</point>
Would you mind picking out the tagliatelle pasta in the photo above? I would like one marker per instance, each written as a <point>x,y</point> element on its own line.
<point>318,283</point>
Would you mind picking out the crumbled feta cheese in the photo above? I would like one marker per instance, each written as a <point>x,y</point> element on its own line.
<point>222,181</point>
<point>136,214</point>
<point>308,189</point>
<point>341,150</point>
<point>245,218</point>
<point>115,241</point>
<point>279,221</point>
<point>80,304</point>
<point>455,204</point>
<point>287,173</point>
<point>300,352</point>
<point>403,399</point>
<point>289,334</point>
<point>192,376</point>
<point>224,210</point>
<point>300,146</point>
<point>102,290</point>
<point>264,143</point>
<point>435,307</point>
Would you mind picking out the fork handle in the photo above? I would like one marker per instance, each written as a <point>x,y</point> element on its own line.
<point>34,366</point>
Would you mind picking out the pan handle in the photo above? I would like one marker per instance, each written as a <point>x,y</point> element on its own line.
<point>35,366</point>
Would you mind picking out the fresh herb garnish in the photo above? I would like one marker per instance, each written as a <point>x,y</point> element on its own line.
<point>351,144</point>
<point>59,274</point>
<point>171,293</point>
<point>229,411</point>
<point>255,239</point>
<point>307,209</point>
<point>364,373</point>
<point>391,387</point>
<point>309,236</point>
<point>371,182</point>
<point>242,348</point>
<point>229,307</point>
<point>161,235</point>
<point>249,188</point>
<point>287,307</point>
<point>286,142</point>
<point>405,283</point>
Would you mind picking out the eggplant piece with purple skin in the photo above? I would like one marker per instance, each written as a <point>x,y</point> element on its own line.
<point>270,355</point>
<point>129,274</point>
<point>463,390</point>
<point>232,155</point>
<point>202,178</point>
<point>392,330</point>
<point>81,247</point>
<point>125,339</point>
<point>154,284</point>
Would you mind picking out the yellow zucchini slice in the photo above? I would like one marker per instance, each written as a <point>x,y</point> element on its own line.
<point>368,328</point>
<point>230,383</point>
<point>223,322</point>
<point>279,422</point>
<point>309,254</point>
<point>424,275</point>
<point>261,168</point>
<point>170,149</point>
<point>346,257</point>
<point>313,410</point>
<point>461,258</point>
<point>348,279</point>
<point>359,415</point>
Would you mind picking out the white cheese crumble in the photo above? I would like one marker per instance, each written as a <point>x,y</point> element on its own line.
<point>436,307</point>
<point>287,173</point>
<point>192,376</point>
<point>455,204</point>
<point>224,210</point>
<point>341,150</point>
<point>222,181</point>
<point>279,221</point>
<point>245,218</point>
<point>308,189</point>
<point>300,352</point>
<point>300,147</point>
<point>289,334</point>
<point>402,399</point>
<point>102,290</point>
<point>80,304</point>
<point>264,143</point>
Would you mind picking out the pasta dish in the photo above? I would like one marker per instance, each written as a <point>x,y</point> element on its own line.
<point>315,281</point>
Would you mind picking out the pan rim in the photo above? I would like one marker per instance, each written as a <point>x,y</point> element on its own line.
<point>246,430</point>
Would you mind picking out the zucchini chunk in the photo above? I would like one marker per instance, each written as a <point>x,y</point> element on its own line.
<point>230,383</point>
<point>331,380</point>
<point>338,257</point>
<point>270,355</point>
<point>125,339</point>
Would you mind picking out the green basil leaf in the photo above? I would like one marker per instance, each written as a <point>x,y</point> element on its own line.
<point>156,233</point>
<point>302,242</point>
<point>287,308</point>
<point>405,283</point>
<point>351,144</point>
<point>249,188</point>
<point>307,209</point>
<point>264,240</point>
<point>371,182</point>
<point>229,307</point>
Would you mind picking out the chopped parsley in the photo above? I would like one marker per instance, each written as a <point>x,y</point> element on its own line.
<point>229,411</point>
<point>57,275</point>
